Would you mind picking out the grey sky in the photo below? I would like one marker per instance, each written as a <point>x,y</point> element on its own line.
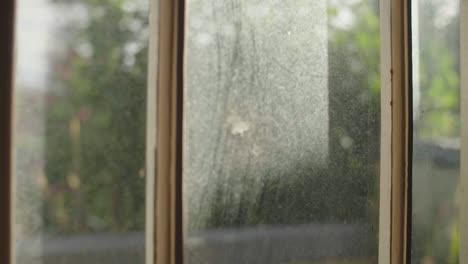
<point>33,34</point>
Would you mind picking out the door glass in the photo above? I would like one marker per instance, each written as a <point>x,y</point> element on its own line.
<point>282,131</point>
<point>436,133</point>
<point>80,118</point>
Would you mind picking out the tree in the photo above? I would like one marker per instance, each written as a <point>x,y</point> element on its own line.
<point>96,120</point>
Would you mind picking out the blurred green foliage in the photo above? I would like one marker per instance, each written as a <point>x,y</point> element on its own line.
<point>435,225</point>
<point>96,120</point>
<point>439,78</point>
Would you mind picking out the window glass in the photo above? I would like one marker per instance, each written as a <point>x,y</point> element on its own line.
<point>80,118</point>
<point>436,131</point>
<point>282,131</point>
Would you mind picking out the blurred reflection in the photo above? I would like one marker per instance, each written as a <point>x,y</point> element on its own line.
<point>436,149</point>
<point>80,100</point>
<point>282,131</point>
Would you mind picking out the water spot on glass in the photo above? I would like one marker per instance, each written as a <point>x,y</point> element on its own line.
<point>237,125</point>
<point>256,150</point>
<point>203,38</point>
<point>346,142</point>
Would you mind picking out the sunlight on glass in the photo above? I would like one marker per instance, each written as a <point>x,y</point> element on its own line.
<point>282,131</point>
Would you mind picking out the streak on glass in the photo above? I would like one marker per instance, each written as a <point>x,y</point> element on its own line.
<point>80,118</point>
<point>436,147</point>
<point>282,131</point>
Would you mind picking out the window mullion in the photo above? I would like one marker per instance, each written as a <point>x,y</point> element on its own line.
<point>385,135</point>
<point>168,213</point>
<point>395,131</point>
<point>151,130</point>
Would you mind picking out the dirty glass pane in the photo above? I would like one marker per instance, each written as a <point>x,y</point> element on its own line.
<point>436,147</point>
<point>80,117</point>
<point>282,131</point>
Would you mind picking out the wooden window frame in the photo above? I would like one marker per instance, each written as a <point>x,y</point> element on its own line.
<point>396,132</point>
<point>168,245</point>
<point>167,49</point>
<point>7,12</point>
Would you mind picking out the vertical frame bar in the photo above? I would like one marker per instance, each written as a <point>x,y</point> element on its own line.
<point>151,131</point>
<point>385,211</point>
<point>464,131</point>
<point>168,219</point>
<point>7,14</point>
<point>400,103</point>
<point>395,132</point>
